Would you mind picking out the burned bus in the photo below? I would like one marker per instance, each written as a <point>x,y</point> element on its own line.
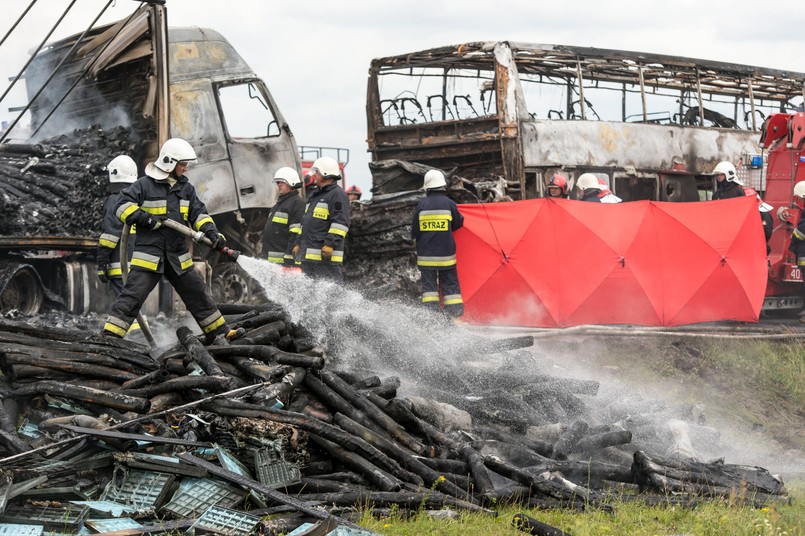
<point>508,116</point>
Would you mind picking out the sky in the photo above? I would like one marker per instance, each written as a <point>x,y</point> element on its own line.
<point>314,55</point>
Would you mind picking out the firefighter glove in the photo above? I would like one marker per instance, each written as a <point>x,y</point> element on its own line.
<point>102,277</point>
<point>326,252</point>
<point>295,250</point>
<point>153,223</point>
<point>218,240</point>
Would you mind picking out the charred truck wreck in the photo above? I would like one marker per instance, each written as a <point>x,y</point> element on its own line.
<point>127,88</point>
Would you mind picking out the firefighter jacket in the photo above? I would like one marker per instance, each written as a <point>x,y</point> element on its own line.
<point>109,242</point>
<point>591,195</point>
<point>148,198</point>
<point>325,223</point>
<point>435,218</point>
<point>798,241</point>
<point>728,190</point>
<point>283,226</point>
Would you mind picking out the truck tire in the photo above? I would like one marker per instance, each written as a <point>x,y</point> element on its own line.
<point>20,289</point>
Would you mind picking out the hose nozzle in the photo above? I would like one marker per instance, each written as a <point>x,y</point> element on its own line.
<point>229,253</point>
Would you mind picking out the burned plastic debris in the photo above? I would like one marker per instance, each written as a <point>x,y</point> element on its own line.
<point>217,437</point>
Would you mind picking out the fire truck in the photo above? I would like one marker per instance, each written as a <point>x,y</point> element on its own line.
<point>783,138</point>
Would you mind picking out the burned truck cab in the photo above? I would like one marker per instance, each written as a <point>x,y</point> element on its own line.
<point>220,106</point>
<point>127,87</point>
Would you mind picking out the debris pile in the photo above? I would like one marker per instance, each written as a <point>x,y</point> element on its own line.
<point>95,432</point>
<point>57,187</point>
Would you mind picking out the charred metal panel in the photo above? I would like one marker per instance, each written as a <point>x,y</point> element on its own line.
<point>195,118</point>
<point>233,172</point>
<point>510,102</point>
<point>203,53</point>
<point>597,144</point>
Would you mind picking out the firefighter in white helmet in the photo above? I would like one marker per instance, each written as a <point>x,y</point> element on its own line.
<point>436,217</point>
<point>284,218</point>
<point>122,174</point>
<point>727,183</point>
<point>589,187</point>
<point>319,248</point>
<point>164,192</point>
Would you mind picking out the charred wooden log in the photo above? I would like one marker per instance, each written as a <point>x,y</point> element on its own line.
<point>569,439</point>
<point>155,376</point>
<point>196,352</point>
<point>431,477</point>
<point>313,426</point>
<point>118,400</point>
<point>597,442</point>
<point>379,478</point>
<point>706,479</point>
<point>374,412</point>
<point>339,404</point>
<point>214,384</point>
<point>282,390</point>
<point>537,528</point>
<point>267,354</point>
<point>93,370</point>
<point>551,484</point>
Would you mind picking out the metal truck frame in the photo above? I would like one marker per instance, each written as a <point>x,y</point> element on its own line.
<point>188,83</point>
<point>508,116</point>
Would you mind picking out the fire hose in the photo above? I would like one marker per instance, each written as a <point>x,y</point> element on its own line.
<point>196,236</point>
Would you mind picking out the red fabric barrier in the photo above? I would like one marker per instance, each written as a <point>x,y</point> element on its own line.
<point>558,263</point>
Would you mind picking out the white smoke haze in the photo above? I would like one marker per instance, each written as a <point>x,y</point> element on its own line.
<point>427,352</point>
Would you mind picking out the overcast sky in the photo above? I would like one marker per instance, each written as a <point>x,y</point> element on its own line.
<point>314,55</point>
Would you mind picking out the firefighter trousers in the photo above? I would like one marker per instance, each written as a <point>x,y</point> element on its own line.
<point>190,287</point>
<point>323,270</point>
<point>442,285</point>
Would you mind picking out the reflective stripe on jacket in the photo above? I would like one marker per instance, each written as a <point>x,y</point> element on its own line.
<point>325,223</point>
<point>283,226</point>
<point>109,241</point>
<point>150,197</point>
<point>435,219</point>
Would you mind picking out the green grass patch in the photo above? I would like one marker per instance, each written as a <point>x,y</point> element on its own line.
<point>712,518</point>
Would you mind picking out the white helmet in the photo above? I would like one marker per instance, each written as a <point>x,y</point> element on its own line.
<point>173,151</point>
<point>328,167</point>
<point>728,170</point>
<point>434,179</point>
<point>799,189</point>
<point>289,176</point>
<point>122,169</point>
<point>588,181</point>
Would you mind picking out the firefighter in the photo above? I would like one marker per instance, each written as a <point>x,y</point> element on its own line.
<point>798,236</point>
<point>587,183</point>
<point>122,173</point>
<point>557,187</point>
<point>354,194</point>
<point>165,192</point>
<point>284,219</point>
<point>727,183</point>
<point>436,217</point>
<point>606,195</point>
<point>765,215</point>
<point>320,245</point>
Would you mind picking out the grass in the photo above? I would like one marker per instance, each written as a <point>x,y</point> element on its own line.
<point>714,518</point>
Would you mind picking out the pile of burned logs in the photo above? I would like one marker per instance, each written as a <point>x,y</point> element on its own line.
<point>57,187</point>
<point>100,433</point>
